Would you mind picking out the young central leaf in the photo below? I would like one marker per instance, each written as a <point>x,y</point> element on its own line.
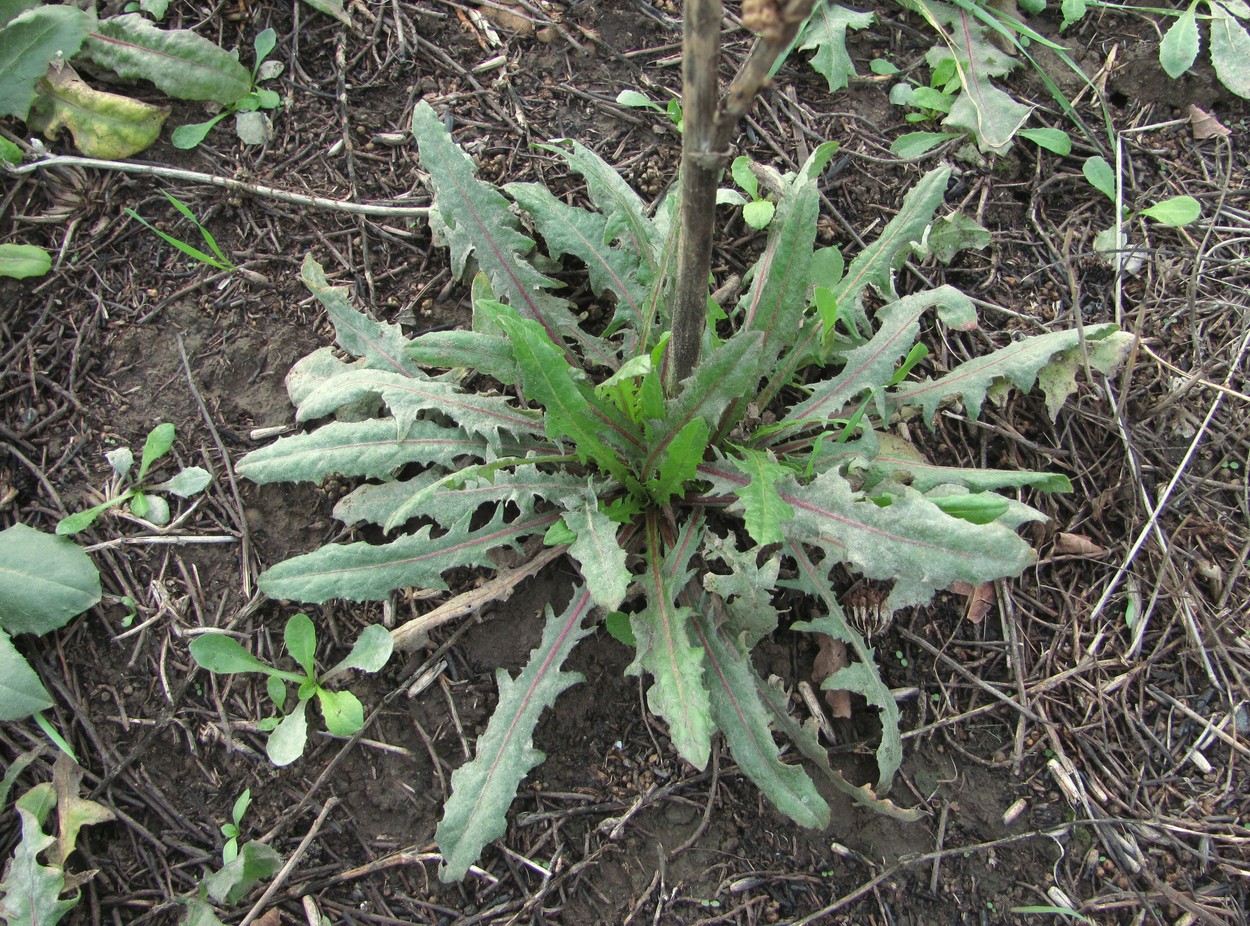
<point>765,511</point>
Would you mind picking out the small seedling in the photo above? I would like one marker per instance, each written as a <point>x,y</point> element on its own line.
<point>143,502</point>
<point>342,710</point>
<point>230,851</point>
<point>251,123</point>
<point>217,260</point>
<point>636,100</point>
<point>1173,212</point>
<point>757,211</point>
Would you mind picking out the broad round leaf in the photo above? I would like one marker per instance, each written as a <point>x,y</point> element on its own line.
<point>286,742</point>
<point>44,581</point>
<point>1179,48</point>
<point>19,261</point>
<point>342,710</point>
<point>1175,212</point>
<point>372,650</point>
<point>189,481</point>
<point>21,693</point>
<point>759,213</point>
<point>1055,140</point>
<point>301,642</point>
<point>159,441</point>
<point>914,144</point>
<point>223,655</point>
<point>1101,176</point>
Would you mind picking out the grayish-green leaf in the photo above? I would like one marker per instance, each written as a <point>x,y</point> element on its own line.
<point>745,591</point>
<point>367,572</point>
<point>21,692</point>
<point>809,746</point>
<point>186,483</point>
<point>300,638</point>
<point>1181,43</point>
<point>410,400</point>
<point>286,742</point>
<point>381,345</point>
<point>910,541</point>
<point>825,31</point>
<point>1100,175</point>
<point>662,630</point>
<point>897,458</point>
<point>30,894</point>
<point>487,354</point>
<point>1018,364</point>
<point>29,43</point>
<point>255,862</point>
<point>914,144</point>
<point>19,261</point>
<point>876,264</point>
<point>221,654</point>
<point>179,62</point>
<point>377,502</point>
<point>1174,211</point>
<point>872,365</point>
<point>1054,140</point>
<point>739,713</point>
<point>11,9</point>
<point>597,552</point>
<point>570,230</point>
<point>478,223</point>
<point>624,210</point>
<point>484,788</point>
<point>121,460</point>
<point>332,8</point>
<point>371,651</point>
<point>861,677</point>
<point>373,448</point>
<point>954,233</point>
<point>44,581</point>
<point>763,510</point>
<point>342,710</point>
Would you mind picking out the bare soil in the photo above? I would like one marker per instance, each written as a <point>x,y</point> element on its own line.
<point>614,828</point>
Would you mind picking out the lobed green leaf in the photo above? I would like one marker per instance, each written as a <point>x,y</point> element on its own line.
<point>740,714</point>
<point>484,788</point>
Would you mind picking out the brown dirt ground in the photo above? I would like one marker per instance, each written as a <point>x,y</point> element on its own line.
<point>92,358</point>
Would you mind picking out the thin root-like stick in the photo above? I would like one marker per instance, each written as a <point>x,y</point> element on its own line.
<point>226,183</point>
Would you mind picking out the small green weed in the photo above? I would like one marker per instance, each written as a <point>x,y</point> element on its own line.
<point>251,124</point>
<point>217,259</point>
<point>342,710</point>
<point>144,502</point>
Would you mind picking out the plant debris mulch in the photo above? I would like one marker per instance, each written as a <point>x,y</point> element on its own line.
<point>1083,742</point>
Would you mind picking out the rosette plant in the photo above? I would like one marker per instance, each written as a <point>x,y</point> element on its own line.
<point>683,454</point>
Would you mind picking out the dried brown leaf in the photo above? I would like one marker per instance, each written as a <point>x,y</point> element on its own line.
<point>831,657</point>
<point>980,599</point>
<point>1077,545</point>
<point>1206,125</point>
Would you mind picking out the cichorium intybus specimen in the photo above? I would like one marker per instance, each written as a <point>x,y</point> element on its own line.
<point>679,499</point>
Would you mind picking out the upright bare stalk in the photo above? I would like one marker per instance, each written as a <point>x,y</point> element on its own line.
<point>708,125</point>
<point>701,163</point>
